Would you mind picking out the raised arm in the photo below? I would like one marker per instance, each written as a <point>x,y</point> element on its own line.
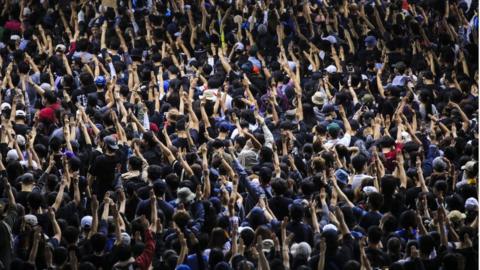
<point>56,228</point>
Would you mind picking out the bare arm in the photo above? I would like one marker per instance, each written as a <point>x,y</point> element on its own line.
<point>56,228</point>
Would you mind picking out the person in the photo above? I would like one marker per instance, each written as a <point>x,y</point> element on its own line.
<point>239,134</point>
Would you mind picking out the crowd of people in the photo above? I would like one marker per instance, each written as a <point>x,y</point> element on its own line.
<point>239,134</point>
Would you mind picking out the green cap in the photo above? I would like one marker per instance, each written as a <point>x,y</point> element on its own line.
<point>333,126</point>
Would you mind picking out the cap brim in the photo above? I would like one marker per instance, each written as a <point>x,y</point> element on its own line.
<point>114,147</point>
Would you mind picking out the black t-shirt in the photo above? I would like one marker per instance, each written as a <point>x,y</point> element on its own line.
<point>100,262</point>
<point>104,169</point>
<point>99,97</point>
<point>153,156</point>
<point>70,213</point>
<point>370,219</point>
<point>79,95</point>
<point>377,257</point>
<point>279,206</point>
<point>45,223</point>
<point>20,129</point>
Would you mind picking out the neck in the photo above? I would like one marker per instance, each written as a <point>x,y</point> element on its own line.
<point>28,187</point>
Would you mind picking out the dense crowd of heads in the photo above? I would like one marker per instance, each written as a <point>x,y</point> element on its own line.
<point>239,134</point>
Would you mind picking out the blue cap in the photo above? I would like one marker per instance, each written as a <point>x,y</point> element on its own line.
<point>371,40</point>
<point>183,267</point>
<point>328,108</point>
<point>224,126</point>
<point>342,176</point>
<point>166,85</point>
<point>100,81</point>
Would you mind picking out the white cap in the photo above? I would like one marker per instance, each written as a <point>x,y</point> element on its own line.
<point>471,204</point>
<point>209,94</point>
<point>86,222</point>
<point>125,238</point>
<point>4,106</point>
<point>46,87</point>
<point>241,229</point>
<point>331,69</point>
<point>11,155</point>
<point>20,113</point>
<point>60,47</point>
<point>302,248</point>
<point>15,37</point>
<point>369,189</point>
<point>31,220</point>
<point>330,227</point>
<point>330,39</point>
<point>239,46</point>
<point>21,140</point>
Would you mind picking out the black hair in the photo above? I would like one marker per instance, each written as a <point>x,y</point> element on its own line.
<point>375,200</point>
<point>351,265</point>
<point>279,186</point>
<point>297,212</point>
<point>374,234</point>
<point>60,255</point>
<point>124,252</point>
<point>135,163</point>
<point>408,219</point>
<point>35,200</point>
<point>426,244</point>
<point>98,242</point>
<point>358,162</point>
<point>50,97</point>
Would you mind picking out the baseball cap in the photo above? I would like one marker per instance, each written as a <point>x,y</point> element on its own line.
<point>331,69</point>
<point>20,113</point>
<point>371,40</point>
<point>125,238</point>
<point>31,220</point>
<point>26,178</point>
<point>60,47</point>
<point>100,81</point>
<point>318,98</point>
<point>5,105</point>
<point>400,65</point>
<point>111,142</point>
<point>86,222</point>
<point>439,165</point>
<point>471,204</point>
<point>20,140</point>
<point>185,195</point>
<point>330,227</point>
<point>46,87</point>
<point>12,155</point>
<point>328,108</point>
<point>267,245</point>
<point>469,166</point>
<point>183,267</point>
<point>331,39</point>
<point>333,126</point>
<point>368,99</point>
<point>369,190</point>
<point>342,176</point>
<point>159,186</point>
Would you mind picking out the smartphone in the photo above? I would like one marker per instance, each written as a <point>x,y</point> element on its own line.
<point>378,65</point>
